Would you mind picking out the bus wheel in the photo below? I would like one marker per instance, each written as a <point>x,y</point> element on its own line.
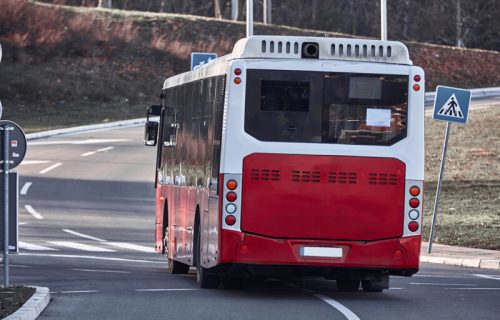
<point>376,285</point>
<point>204,277</point>
<point>176,267</point>
<point>347,285</point>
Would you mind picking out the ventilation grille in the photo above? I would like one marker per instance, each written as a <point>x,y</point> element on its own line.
<point>305,176</point>
<point>288,47</point>
<point>361,51</point>
<point>343,177</point>
<point>383,178</point>
<point>264,175</point>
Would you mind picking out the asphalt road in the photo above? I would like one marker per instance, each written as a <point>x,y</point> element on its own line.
<point>86,230</point>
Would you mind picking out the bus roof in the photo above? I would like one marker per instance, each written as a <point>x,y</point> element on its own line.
<point>290,47</point>
<point>329,49</point>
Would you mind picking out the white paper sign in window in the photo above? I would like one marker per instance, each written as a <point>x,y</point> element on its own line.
<point>378,117</point>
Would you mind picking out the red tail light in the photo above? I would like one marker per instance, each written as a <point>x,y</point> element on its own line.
<point>416,78</point>
<point>230,220</point>
<point>414,202</point>
<point>231,196</point>
<point>413,226</point>
<point>414,191</point>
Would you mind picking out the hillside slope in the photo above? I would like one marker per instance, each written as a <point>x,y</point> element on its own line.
<point>65,66</point>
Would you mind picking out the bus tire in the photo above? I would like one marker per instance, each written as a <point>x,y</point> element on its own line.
<point>347,285</point>
<point>204,278</point>
<point>176,267</point>
<point>377,285</point>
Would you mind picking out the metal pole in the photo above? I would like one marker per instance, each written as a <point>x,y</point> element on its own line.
<point>438,190</point>
<point>249,18</point>
<point>267,12</point>
<point>234,10</point>
<point>6,206</point>
<point>383,20</point>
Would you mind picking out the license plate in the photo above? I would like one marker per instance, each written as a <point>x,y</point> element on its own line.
<point>322,252</point>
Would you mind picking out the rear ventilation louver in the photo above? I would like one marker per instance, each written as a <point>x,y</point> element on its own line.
<point>265,175</point>
<point>383,179</point>
<point>343,177</point>
<point>280,47</point>
<point>305,176</point>
<point>360,51</point>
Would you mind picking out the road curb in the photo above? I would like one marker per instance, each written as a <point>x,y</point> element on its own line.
<point>463,262</point>
<point>34,306</point>
<point>87,128</point>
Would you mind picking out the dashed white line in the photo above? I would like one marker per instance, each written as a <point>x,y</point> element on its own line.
<point>25,162</point>
<point>101,271</point>
<point>87,141</point>
<point>80,246</point>
<point>488,276</point>
<point>340,307</point>
<point>162,290</point>
<point>79,291</point>
<point>73,256</point>
<point>442,284</point>
<point>132,246</point>
<point>34,247</point>
<point>86,154</point>
<point>25,188</point>
<point>33,212</point>
<point>52,167</point>
<point>83,235</point>
<point>472,288</point>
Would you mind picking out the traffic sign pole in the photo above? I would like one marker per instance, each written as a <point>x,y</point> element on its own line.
<point>438,190</point>
<point>6,205</point>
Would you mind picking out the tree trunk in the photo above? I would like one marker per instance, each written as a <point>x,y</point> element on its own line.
<point>459,21</point>
<point>218,15</point>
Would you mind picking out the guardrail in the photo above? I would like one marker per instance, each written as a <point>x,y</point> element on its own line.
<point>480,93</point>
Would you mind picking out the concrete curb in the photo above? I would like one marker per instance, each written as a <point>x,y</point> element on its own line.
<point>463,262</point>
<point>34,306</point>
<point>87,128</point>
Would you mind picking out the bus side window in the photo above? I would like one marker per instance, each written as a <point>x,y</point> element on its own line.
<point>171,127</point>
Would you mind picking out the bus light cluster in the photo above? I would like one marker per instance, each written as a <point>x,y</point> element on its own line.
<point>416,86</point>
<point>414,203</point>
<point>231,197</point>
<point>237,72</point>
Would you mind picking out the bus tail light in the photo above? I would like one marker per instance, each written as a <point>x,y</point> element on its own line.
<point>413,208</point>
<point>416,87</point>
<point>230,220</point>
<point>231,202</point>
<point>417,78</point>
<point>413,226</point>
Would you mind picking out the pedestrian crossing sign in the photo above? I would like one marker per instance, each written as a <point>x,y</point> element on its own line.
<point>451,104</point>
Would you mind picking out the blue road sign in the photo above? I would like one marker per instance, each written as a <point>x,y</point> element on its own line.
<point>200,58</point>
<point>451,104</point>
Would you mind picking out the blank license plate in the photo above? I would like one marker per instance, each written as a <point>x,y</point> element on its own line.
<point>321,252</point>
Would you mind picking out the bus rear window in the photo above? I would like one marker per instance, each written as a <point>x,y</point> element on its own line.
<point>318,107</point>
<point>284,96</point>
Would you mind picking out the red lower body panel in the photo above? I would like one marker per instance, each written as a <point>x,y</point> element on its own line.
<point>397,253</point>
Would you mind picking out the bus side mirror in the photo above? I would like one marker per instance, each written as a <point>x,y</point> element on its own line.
<point>151,133</point>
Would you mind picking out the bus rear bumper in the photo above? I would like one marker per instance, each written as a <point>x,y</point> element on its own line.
<point>398,256</point>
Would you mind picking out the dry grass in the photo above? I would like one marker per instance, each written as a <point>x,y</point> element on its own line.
<point>469,213</point>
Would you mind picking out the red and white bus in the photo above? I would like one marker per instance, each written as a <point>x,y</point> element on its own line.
<point>293,156</point>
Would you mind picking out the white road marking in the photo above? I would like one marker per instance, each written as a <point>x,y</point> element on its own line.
<point>441,276</point>
<point>69,256</point>
<point>493,277</point>
<point>97,151</point>
<point>80,291</point>
<point>26,162</point>
<point>340,307</point>
<point>86,141</point>
<point>80,246</point>
<point>162,290</point>
<point>34,247</point>
<point>22,223</point>
<point>442,284</point>
<point>24,189</point>
<point>52,167</point>
<point>83,235</point>
<point>132,246</point>
<point>101,271</point>
<point>473,288</point>
<point>396,288</point>
<point>33,212</point>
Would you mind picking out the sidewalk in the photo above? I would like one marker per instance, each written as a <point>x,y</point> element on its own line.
<point>459,256</point>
